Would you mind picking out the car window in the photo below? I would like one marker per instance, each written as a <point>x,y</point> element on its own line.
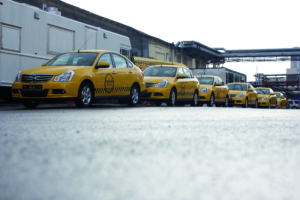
<point>106,57</point>
<point>180,71</point>
<point>160,71</point>
<point>120,62</point>
<point>296,102</point>
<point>263,91</point>
<point>277,95</point>
<point>74,59</point>
<point>187,73</point>
<point>130,65</point>
<point>242,87</point>
<point>206,80</point>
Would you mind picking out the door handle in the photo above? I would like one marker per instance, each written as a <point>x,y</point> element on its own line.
<point>130,72</point>
<point>186,82</point>
<point>114,72</point>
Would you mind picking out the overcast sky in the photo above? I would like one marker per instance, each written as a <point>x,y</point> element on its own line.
<point>232,24</point>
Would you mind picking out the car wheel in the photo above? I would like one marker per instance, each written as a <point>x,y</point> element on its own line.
<point>270,105</point>
<point>158,103</point>
<point>246,104</point>
<point>226,102</point>
<point>31,103</point>
<point>85,96</point>
<point>134,96</point>
<point>294,107</point>
<point>172,98</point>
<point>255,105</point>
<point>195,99</point>
<point>211,101</point>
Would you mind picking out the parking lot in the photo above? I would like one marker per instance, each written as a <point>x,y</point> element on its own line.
<point>111,151</point>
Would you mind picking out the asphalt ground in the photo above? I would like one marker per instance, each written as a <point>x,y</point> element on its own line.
<point>113,152</point>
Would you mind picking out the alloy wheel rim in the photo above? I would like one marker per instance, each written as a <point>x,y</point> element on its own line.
<point>255,104</point>
<point>246,104</point>
<point>226,102</point>
<point>86,95</point>
<point>135,96</point>
<point>195,98</point>
<point>212,100</point>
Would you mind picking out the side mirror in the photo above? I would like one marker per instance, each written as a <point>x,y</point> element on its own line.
<point>103,64</point>
<point>44,64</point>
<point>273,93</point>
<point>218,84</point>
<point>182,76</point>
<point>282,97</point>
<point>250,90</point>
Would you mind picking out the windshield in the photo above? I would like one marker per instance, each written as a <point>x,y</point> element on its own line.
<point>242,87</point>
<point>277,95</point>
<point>206,80</point>
<point>263,91</point>
<point>75,59</point>
<point>160,71</point>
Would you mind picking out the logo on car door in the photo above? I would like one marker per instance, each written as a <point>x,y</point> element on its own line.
<point>109,83</point>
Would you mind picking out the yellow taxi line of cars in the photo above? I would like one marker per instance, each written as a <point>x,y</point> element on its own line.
<point>83,76</point>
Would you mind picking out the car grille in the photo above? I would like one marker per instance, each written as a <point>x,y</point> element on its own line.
<point>35,93</point>
<point>149,84</point>
<point>232,95</point>
<point>36,78</point>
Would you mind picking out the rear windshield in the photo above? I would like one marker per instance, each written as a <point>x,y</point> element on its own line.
<point>242,87</point>
<point>206,80</point>
<point>74,59</point>
<point>160,71</point>
<point>264,91</point>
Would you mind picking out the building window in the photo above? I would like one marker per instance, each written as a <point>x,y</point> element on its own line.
<point>11,38</point>
<point>60,40</point>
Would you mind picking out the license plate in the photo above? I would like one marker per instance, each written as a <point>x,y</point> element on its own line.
<point>32,88</point>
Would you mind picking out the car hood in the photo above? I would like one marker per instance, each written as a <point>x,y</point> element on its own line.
<point>262,95</point>
<point>237,92</point>
<point>55,70</point>
<point>157,79</point>
<point>203,86</point>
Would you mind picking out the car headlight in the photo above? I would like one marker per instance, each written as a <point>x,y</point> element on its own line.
<point>64,77</point>
<point>18,77</point>
<point>265,98</point>
<point>162,84</point>
<point>205,90</point>
<point>240,95</point>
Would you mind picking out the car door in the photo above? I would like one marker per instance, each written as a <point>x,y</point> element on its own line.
<point>103,77</point>
<point>181,85</point>
<point>123,75</point>
<point>190,82</point>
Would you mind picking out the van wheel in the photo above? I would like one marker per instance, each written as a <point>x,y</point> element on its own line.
<point>195,99</point>
<point>85,96</point>
<point>172,98</point>
<point>31,103</point>
<point>211,101</point>
<point>134,96</point>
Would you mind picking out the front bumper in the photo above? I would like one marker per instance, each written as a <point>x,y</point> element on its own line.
<point>237,101</point>
<point>156,94</point>
<point>263,103</point>
<point>204,97</point>
<point>49,90</point>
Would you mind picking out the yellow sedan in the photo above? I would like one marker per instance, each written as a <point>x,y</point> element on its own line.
<point>266,97</point>
<point>212,91</point>
<point>82,76</point>
<point>174,85</point>
<point>242,94</point>
<point>281,100</point>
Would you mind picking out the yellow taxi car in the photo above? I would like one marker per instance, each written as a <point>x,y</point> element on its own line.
<point>281,100</point>
<point>266,97</point>
<point>172,84</point>
<point>212,91</point>
<point>242,94</point>
<point>82,76</point>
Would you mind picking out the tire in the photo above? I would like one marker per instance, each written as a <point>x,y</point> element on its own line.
<point>172,98</point>
<point>255,105</point>
<point>294,107</point>
<point>158,103</point>
<point>212,101</point>
<point>195,99</point>
<point>270,105</point>
<point>134,96</point>
<point>246,104</point>
<point>31,103</point>
<point>85,96</point>
<point>226,102</point>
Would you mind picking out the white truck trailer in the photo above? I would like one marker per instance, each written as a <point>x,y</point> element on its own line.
<point>31,36</point>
